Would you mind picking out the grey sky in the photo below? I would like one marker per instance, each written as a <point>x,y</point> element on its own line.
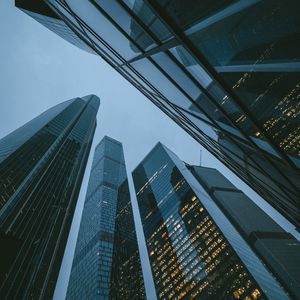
<point>38,70</point>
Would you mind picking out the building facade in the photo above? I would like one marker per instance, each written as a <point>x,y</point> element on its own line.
<point>194,250</point>
<point>41,169</point>
<point>106,263</point>
<point>278,249</point>
<point>226,71</point>
<point>40,11</point>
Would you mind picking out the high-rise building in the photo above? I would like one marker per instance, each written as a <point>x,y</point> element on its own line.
<point>41,169</point>
<point>195,252</point>
<point>40,11</point>
<point>278,249</point>
<point>226,71</point>
<point>106,263</point>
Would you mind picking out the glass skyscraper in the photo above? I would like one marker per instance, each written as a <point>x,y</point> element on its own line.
<point>278,249</point>
<point>106,263</point>
<point>41,169</point>
<point>226,71</point>
<point>40,11</point>
<point>195,252</point>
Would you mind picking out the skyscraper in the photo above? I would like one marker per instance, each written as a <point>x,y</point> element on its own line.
<point>41,168</point>
<point>106,263</point>
<point>194,250</point>
<point>227,72</point>
<point>40,11</point>
<point>278,249</point>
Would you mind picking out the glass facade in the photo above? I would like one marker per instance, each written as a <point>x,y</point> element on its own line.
<point>106,263</point>
<point>278,249</point>
<point>225,71</point>
<point>194,251</point>
<point>127,279</point>
<point>40,11</point>
<point>41,171</point>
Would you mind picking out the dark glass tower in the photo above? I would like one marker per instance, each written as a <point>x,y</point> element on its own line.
<point>278,249</point>
<point>106,263</point>
<point>194,250</point>
<point>226,71</point>
<point>41,168</point>
<point>40,11</point>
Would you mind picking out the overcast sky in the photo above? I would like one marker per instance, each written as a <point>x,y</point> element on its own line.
<point>38,69</point>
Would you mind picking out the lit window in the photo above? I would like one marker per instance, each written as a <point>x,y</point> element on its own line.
<point>255,294</point>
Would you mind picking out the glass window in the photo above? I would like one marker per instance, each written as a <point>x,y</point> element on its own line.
<point>160,81</point>
<point>128,24</point>
<point>145,14</point>
<point>187,61</point>
<point>177,74</point>
<point>273,98</point>
<point>234,36</point>
<point>104,28</point>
